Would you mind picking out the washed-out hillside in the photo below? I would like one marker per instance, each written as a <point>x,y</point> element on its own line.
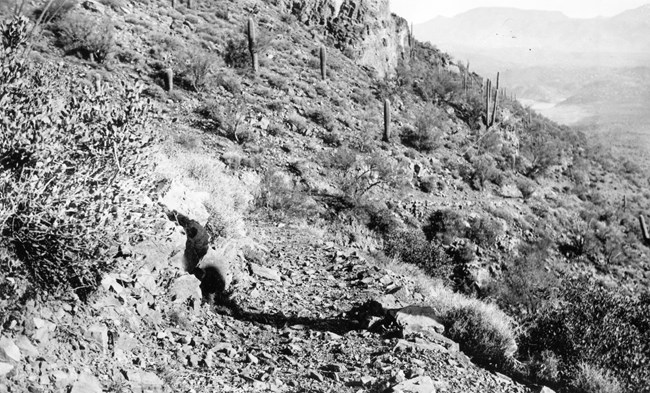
<point>299,196</point>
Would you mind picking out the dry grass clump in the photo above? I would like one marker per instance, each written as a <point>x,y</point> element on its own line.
<point>590,379</point>
<point>483,330</point>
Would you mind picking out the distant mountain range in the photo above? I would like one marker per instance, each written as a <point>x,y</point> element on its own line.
<point>543,37</point>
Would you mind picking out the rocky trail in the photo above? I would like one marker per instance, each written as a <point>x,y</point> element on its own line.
<point>310,317</point>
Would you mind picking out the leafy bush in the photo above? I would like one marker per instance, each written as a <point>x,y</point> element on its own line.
<point>526,285</point>
<point>370,172</point>
<point>445,225</point>
<point>86,36</point>
<point>278,193</point>
<point>484,231</point>
<point>72,164</point>
<point>485,343</point>
<point>527,187</point>
<point>236,54</point>
<point>196,71</point>
<point>484,169</point>
<point>413,248</point>
<point>323,118</point>
<point>598,327</point>
<point>425,136</point>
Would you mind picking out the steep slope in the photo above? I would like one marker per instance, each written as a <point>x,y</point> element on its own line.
<point>315,215</point>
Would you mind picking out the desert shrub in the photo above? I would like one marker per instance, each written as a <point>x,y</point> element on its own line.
<point>486,344</point>
<point>484,231</point>
<point>229,83</point>
<point>371,172</point>
<point>425,136</point>
<point>598,327</point>
<point>526,285</point>
<point>323,118</point>
<point>361,96</point>
<point>413,248</point>
<point>87,36</point>
<point>484,169</point>
<point>378,218</point>
<point>527,187</point>
<point>68,177</point>
<point>590,379</point>
<point>196,71</point>
<point>279,194</point>
<point>545,367</point>
<point>541,147</point>
<point>236,53</point>
<point>212,111</point>
<point>298,123</point>
<point>445,226</point>
<point>332,139</point>
<point>57,10</point>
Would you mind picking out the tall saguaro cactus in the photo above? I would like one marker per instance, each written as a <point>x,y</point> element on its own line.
<point>251,45</point>
<point>169,79</point>
<point>489,118</point>
<point>644,229</point>
<point>323,62</point>
<point>386,136</point>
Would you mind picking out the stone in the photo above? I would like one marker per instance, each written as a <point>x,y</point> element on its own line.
<point>93,6</point>
<point>98,333</point>
<point>9,351</point>
<point>252,359</point>
<point>5,368</point>
<point>185,287</point>
<point>144,382</point>
<point>418,319</point>
<point>510,191</point>
<point>335,367</point>
<point>544,389</point>
<point>265,272</point>
<point>423,384</point>
<point>316,375</point>
<point>86,384</point>
<point>26,346</point>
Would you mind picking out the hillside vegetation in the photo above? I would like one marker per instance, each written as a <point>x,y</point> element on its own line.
<point>521,233</point>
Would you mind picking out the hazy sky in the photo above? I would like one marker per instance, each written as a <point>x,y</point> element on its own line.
<point>418,11</point>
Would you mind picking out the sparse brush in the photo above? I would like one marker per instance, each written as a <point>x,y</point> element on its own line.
<point>66,172</point>
<point>89,37</point>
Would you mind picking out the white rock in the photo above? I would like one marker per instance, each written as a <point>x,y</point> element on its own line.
<point>86,384</point>
<point>423,384</point>
<point>5,368</point>
<point>9,351</point>
<point>26,346</point>
<point>419,318</point>
<point>185,287</point>
<point>265,272</point>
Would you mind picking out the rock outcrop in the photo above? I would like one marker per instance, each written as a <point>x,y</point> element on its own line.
<point>364,29</point>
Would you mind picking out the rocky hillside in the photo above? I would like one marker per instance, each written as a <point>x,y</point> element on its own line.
<point>338,212</point>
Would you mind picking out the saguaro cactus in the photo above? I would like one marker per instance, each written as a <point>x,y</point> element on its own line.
<point>386,136</point>
<point>644,229</point>
<point>169,79</point>
<point>251,44</point>
<point>489,119</point>
<point>323,62</point>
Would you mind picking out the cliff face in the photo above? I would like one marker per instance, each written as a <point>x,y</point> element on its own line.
<point>364,29</point>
